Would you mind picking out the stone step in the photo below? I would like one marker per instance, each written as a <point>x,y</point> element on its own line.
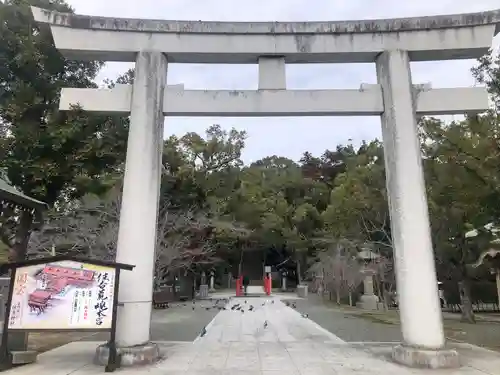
<point>256,290</point>
<point>23,357</point>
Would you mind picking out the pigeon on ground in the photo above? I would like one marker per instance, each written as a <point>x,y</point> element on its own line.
<point>305,315</point>
<point>207,308</point>
<point>250,308</point>
<point>272,301</point>
<point>203,332</point>
<point>245,301</point>
<point>193,307</point>
<point>265,324</point>
<point>294,306</point>
<point>287,303</point>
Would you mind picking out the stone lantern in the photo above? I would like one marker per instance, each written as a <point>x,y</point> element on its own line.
<point>368,301</point>
<point>203,285</point>
<point>284,274</point>
<point>212,281</point>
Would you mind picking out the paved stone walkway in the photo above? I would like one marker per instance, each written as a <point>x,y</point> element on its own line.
<point>272,339</point>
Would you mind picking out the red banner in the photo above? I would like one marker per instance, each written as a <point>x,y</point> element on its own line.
<point>239,286</point>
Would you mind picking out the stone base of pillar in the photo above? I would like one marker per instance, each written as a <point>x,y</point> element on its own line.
<point>129,356</point>
<point>425,358</point>
<point>368,302</point>
<point>302,291</point>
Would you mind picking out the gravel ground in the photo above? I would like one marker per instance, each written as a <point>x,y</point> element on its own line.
<point>178,323</point>
<point>348,327</point>
<point>354,325</point>
<point>181,323</point>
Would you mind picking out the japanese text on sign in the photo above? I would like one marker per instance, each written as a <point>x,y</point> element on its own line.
<point>101,307</point>
<point>62,295</point>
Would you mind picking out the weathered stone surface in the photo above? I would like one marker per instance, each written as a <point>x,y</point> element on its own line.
<point>368,302</point>
<point>358,26</point>
<point>132,356</point>
<point>23,357</point>
<point>461,36</point>
<point>302,291</point>
<point>423,358</point>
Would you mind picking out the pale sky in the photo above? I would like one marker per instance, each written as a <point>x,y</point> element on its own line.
<point>288,137</point>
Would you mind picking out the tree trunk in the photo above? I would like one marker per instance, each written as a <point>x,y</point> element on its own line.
<point>337,292</point>
<point>387,298</point>
<point>466,301</point>
<point>299,278</point>
<point>240,264</point>
<point>193,290</point>
<point>382,293</point>
<point>18,251</point>
<point>350,298</point>
<point>18,341</point>
<point>497,278</point>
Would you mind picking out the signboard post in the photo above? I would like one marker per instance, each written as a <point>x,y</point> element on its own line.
<point>62,294</point>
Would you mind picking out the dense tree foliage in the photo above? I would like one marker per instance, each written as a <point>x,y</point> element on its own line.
<point>49,155</point>
<point>296,213</point>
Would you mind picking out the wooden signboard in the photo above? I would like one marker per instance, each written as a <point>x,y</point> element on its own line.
<point>62,294</point>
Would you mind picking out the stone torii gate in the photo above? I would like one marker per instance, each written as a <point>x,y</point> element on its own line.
<point>391,44</point>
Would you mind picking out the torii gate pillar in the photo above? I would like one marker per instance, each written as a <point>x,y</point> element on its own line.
<point>139,212</point>
<point>422,327</point>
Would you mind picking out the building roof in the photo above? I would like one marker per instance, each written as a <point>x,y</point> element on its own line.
<point>11,194</point>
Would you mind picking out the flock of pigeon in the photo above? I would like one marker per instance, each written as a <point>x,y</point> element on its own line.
<point>242,307</point>
<point>221,303</point>
<point>218,304</point>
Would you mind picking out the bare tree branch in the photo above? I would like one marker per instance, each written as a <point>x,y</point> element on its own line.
<point>339,268</point>
<point>90,228</point>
